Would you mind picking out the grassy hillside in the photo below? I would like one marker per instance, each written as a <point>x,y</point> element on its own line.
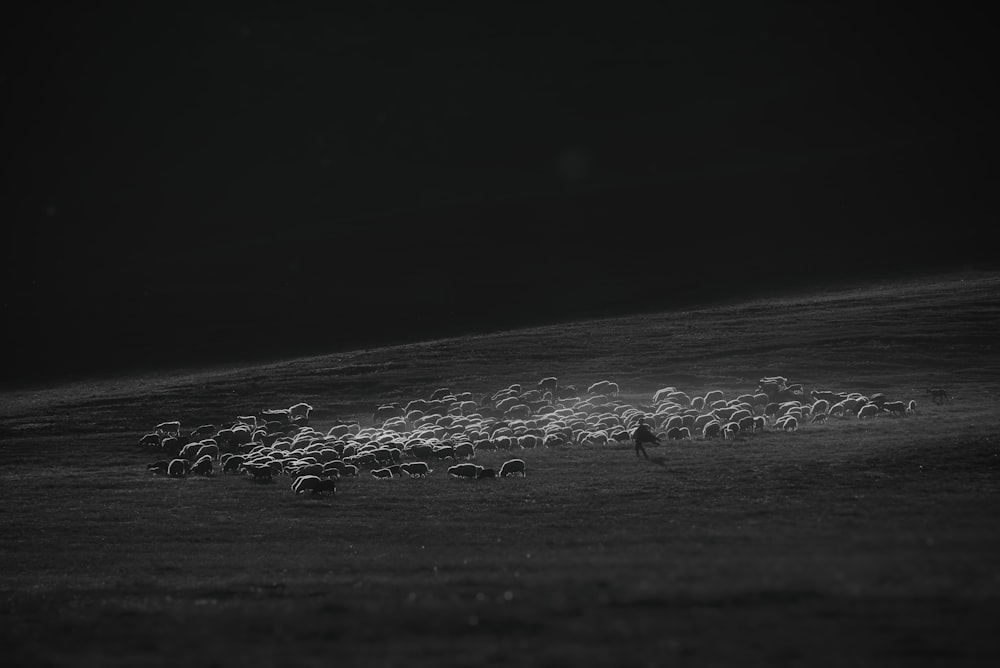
<point>870,543</point>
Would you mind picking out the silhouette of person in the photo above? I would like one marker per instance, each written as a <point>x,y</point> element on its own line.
<point>643,434</point>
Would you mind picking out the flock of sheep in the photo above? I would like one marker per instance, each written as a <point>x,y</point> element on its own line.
<point>448,427</point>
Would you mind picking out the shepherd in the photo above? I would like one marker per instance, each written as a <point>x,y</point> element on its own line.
<point>643,434</point>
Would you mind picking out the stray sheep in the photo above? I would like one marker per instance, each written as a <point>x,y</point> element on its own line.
<point>911,408</point>
<point>512,467</point>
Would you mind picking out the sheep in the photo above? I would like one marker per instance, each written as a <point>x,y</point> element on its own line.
<point>549,384</point>
<point>486,474</point>
<point>787,423</point>
<point>868,411</point>
<point>747,423</point>
<point>300,410</point>
<point>820,406</point>
<point>661,394</point>
<point>714,395</point>
<point>172,427</point>
<point>416,469</point>
<point>233,463</point>
<point>208,449</point>
<point>711,429</point>
<point>203,466</point>
<point>315,485</point>
<point>678,433</point>
<point>203,430</point>
<point>178,468</point>
<point>512,467</point>
<point>159,468</point>
<point>604,387</point>
<point>938,395</point>
<point>440,393</point>
<point>150,439</point>
<point>911,408</point>
<point>464,470</point>
<point>520,411</point>
<point>819,418</point>
<point>259,472</point>
<point>894,407</point>
<point>465,449</point>
<point>381,474</point>
<point>730,430</point>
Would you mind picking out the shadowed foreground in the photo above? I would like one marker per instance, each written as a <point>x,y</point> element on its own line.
<point>863,543</point>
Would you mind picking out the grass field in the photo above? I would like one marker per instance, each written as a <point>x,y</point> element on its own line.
<point>851,543</point>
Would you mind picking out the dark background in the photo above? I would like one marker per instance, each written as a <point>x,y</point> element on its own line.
<point>191,186</point>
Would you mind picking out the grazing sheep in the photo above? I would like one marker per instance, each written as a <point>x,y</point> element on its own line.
<point>415,469</point>
<point>819,418</point>
<point>938,395</point>
<point>150,439</point>
<point>159,468</point>
<point>787,423</point>
<point>382,474</point>
<point>204,466</point>
<point>712,429</point>
<point>911,408</point>
<point>549,384</point>
<point>868,411</point>
<point>260,471</point>
<point>315,485</point>
<point>678,433</point>
<point>714,395</point>
<point>440,393</point>
<point>203,430</point>
<point>894,407</point>
<point>178,468</point>
<point>465,449</point>
<point>300,410</point>
<point>662,393</point>
<point>604,387</point>
<point>512,467</point>
<point>233,463</point>
<point>730,430</point>
<point>486,474</point>
<point>172,428</point>
<point>208,449</point>
<point>464,470</point>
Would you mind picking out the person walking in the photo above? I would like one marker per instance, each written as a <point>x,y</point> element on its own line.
<point>643,434</point>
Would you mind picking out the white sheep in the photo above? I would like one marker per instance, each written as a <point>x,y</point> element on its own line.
<point>300,410</point>
<point>894,407</point>
<point>868,411</point>
<point>512,467</point>
<point>178,468</point>
<point>464,470</point>
<point>416,469</point>
<point>172,428</point>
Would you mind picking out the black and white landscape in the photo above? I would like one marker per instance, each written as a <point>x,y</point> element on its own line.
<point>859,541</point>
<point>251,253</point>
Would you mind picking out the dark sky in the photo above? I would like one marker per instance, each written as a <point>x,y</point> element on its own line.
<point>190,185</point>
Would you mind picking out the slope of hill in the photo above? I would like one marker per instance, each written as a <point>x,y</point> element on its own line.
<point>852,542</point>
